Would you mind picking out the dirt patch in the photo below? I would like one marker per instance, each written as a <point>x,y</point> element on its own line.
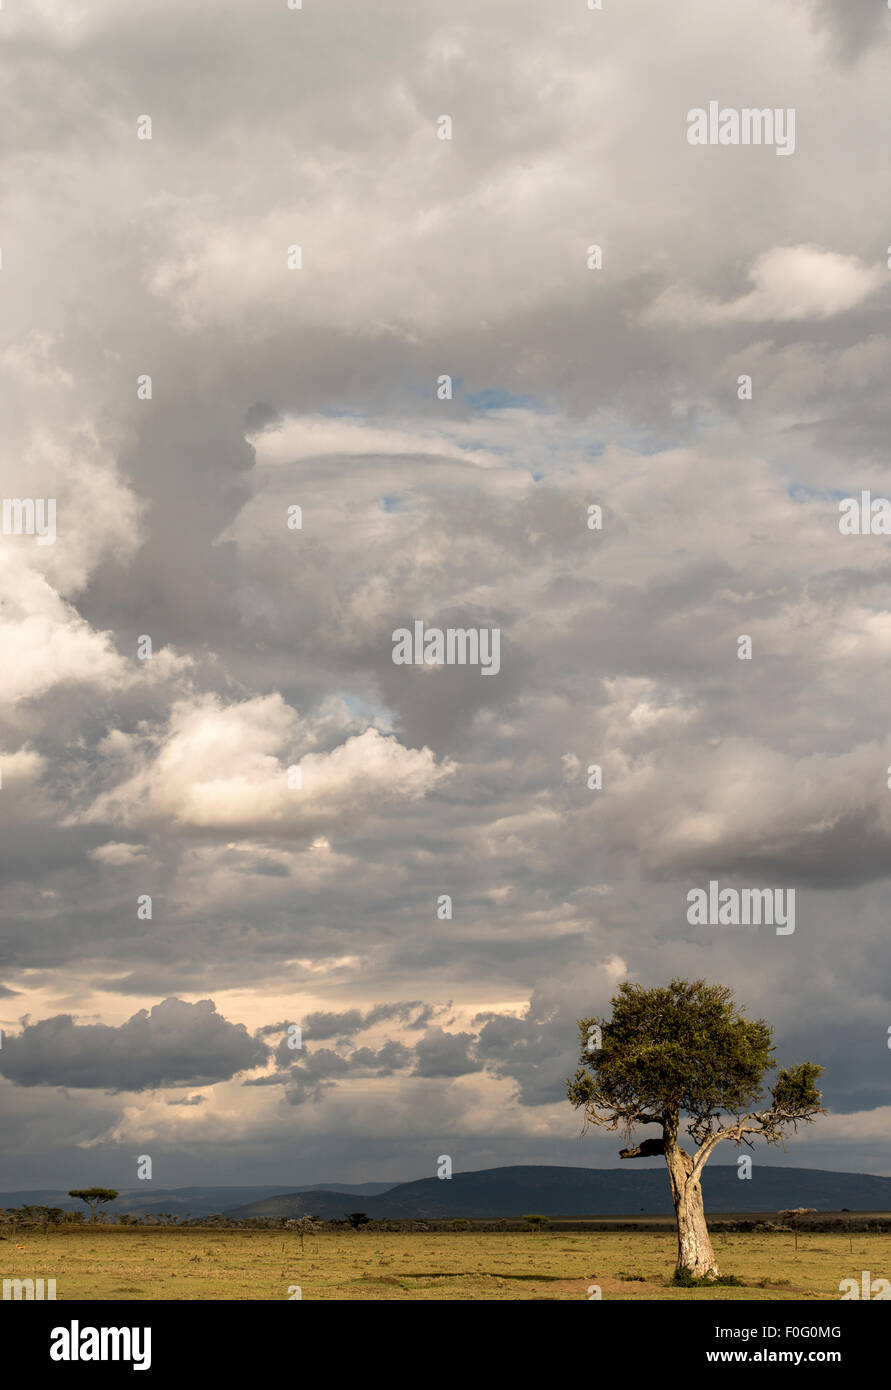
<point>610,1287</point>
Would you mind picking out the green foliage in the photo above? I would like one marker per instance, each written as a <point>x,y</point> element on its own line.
<point>795,1089</point>
<point>536,1222</point>
<point>93,1196</point>
<point>683,1046</point>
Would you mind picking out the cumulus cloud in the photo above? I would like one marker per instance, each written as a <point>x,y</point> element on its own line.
<point>172,1044</point>
<point>225,768</point>
<point>439,1053</point>
<point>790,283</point>
<point>44,642</point>
<point>272,645</point>
<point>117,855</point>
<point>330,1025</point>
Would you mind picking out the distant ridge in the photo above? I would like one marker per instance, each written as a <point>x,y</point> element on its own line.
<point>196,1201</point>
<point>557,1191</point>
<point>501,1192</point>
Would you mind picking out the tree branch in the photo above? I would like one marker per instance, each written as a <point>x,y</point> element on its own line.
<point>648,1149</point>
<point>736,1132</point>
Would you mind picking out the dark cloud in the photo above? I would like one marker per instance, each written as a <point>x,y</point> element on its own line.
<point>172,1044</point>
<point>273,646</point>
<point>383,1061</point>
<point>445,1054</point>
<point>852,25</point>
<point>319,1026</point>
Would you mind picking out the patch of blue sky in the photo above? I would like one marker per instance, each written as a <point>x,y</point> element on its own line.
<point>801,492</point>
<point>646,447</point>
<point>426,390</point>
<point>488,445</point>
<point>495,398</point>
<point>367,711</point>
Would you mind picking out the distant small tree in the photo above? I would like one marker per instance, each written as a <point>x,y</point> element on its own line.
<point>357,1219</point>
<point>847,1225</point>
<point>536,1223</point>
<point>794,1213</point>
<point>93,1196</point>
<point>303,1226</point>
<point>48,1216</point>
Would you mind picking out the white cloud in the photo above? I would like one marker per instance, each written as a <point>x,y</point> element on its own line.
<point>224,769</point>
<point>118,855</point>
<point>44,642</point>
<point>791,284</point>
<point>24,767</point>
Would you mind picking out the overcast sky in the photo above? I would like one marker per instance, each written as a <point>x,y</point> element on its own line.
<point>274,387</point>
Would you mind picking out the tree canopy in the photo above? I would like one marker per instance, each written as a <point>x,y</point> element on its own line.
<point>93,1196</point>
<point>686,1048</point>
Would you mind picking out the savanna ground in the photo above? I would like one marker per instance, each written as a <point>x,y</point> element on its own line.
<point>199,1264</point>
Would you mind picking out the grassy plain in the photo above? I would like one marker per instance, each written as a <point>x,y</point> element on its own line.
<point>110,1263</point>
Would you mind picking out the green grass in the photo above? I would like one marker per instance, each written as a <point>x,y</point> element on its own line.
<point>194,1264</point>
<point>686,1279</point>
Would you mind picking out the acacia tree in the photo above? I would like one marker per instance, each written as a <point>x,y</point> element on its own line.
<point>303,1226</point>
<point>93,1196</point>
<point>686,1050</point>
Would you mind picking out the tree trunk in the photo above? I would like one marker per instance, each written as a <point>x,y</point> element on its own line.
<point>695,1253</point>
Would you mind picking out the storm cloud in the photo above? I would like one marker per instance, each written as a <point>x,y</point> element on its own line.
<point>446,393</point>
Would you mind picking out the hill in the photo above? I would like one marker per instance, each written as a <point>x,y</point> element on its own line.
<point>511,1192</point>
<point>194,1201</point>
